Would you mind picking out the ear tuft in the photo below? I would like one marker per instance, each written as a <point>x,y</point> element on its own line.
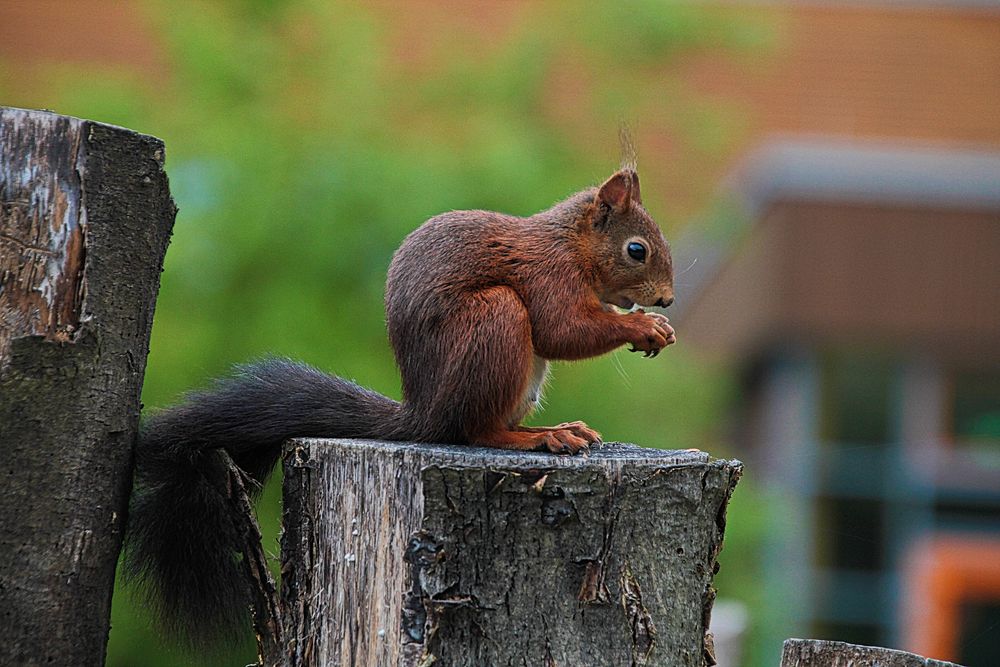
<point>629,160</point>
<point>620,190</point>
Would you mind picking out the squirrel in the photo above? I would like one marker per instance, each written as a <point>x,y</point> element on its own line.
<point>477,303</point>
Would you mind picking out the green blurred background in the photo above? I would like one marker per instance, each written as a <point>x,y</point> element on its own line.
<point>306,138</point>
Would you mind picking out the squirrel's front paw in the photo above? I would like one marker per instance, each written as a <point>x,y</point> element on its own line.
<point>653,333</point>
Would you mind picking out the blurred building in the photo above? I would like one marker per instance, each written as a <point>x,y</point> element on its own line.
<point>38,37</point>
<point>862,299</point>
<point>853,275</point>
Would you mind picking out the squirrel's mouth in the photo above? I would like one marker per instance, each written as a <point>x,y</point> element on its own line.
<point>620,301</point>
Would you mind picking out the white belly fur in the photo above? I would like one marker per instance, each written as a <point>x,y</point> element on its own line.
<point>533,392</point>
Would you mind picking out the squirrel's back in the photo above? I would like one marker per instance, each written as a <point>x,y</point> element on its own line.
<point>466,251</point>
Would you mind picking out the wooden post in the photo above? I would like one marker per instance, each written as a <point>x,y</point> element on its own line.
<point>817,653</point>
<point>412,555</point>
<point>85,216</point>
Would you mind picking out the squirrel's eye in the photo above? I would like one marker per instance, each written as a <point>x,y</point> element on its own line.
<point>636,251</point>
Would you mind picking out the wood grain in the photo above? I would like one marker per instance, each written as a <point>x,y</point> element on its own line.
<point>818,653</point>
<point>42,250</point>
<point>405,554</point>
<point>85,217</point>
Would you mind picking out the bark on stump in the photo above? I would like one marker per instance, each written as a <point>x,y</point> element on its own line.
<point>85,216</point>
<point>818,653</point>
<point>405,554</point>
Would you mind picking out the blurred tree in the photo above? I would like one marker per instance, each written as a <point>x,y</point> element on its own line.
<point>306,138</point>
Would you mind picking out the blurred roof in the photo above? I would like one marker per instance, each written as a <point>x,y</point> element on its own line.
<point>871,172</point>
<point>36,34</point>
<point>831,242</point>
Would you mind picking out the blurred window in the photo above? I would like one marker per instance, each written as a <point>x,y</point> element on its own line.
<point>967,512</point>
<point>855,399</point>
<point>851,534</point>
<point>975,416</point>
<point>979,639</point>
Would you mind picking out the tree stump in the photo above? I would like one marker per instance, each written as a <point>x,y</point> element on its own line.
<point>818,653</point>
<point>412,555</point>
<point>85,216</point>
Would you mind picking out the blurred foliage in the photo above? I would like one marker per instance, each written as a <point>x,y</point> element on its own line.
<point>305,139</point>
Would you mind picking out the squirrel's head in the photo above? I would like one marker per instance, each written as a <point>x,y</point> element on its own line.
<point>632,258</point>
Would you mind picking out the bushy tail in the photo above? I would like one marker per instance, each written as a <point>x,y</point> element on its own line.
<point>181,541</point>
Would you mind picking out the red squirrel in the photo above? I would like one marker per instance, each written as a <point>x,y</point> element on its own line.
<point>477,303</point>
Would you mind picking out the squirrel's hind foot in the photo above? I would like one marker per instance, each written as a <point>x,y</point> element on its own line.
<point>577,428</point>
<point>571,438</point>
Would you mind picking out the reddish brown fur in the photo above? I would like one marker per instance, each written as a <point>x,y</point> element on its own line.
<point>477,301</point>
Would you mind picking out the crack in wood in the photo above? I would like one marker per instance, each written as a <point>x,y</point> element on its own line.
<point>639,619</point>
<point>708,651</point>
<point>25,246</point>
<point>708,645</point>
<point>593,589</point>
<point>547,659</point>
<point>263,592</point>
<point>422,551</point>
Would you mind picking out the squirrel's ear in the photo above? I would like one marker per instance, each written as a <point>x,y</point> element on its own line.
<point>634,191</point>
<point>620,190</point>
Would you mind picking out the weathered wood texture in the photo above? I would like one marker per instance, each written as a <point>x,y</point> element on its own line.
<point>85,217</point>
<point>818,653</point>
<point>402,554</point>
<point>265,604</point>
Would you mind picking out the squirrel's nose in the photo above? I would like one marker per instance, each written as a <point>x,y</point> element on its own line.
<point>665,304</point>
